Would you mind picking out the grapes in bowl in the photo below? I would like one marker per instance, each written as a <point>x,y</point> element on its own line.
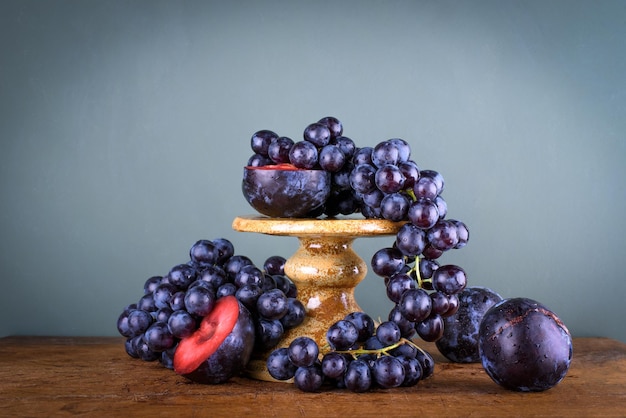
<point>285,191</point>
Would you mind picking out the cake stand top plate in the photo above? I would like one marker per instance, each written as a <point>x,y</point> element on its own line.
<point>340,226</point>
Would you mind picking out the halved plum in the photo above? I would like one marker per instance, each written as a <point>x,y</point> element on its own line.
<point>221,347</point>
<point>285,191</point>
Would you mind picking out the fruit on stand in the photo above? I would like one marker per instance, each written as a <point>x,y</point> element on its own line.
<point>524,346</point>
<point>284,190</point>
<point>459,342</point>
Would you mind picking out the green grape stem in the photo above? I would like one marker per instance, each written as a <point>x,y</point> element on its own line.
<point>380,351</point>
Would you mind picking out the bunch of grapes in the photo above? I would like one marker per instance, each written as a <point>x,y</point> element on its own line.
<point>391,186</point>
<point>359,356</point>
<point>323,147</point>
<point>173,305</point>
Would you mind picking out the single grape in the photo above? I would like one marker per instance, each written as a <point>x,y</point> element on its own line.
<point>272,304</point>
<point>394,207</point>
<point>388,333</point>
<point>261,140</point>
<point>278,150</point>
<point>415,305</point>
<point>275,265</point>
<point>397,284</point>
<point>331,158</point>
<point>388,372</point>
<point>363,323</point>
<point>363,156</point>
<point>268,333</point>
<point>431,328</point>
<point>158,337</point>
<point>412,370</point>
<point>389,179</point>
<point>199,301</point>
<point>203,253</point>
<point>363,178</point>
<point>358,377</point>
<point>449,279</point>
<point>303,155</point>
<point>423,213</point>
<point>151,284</point>
<point>309,378</point>
<point>387,261</point>
<point>436,176</point>
<point>279,366</point>
<point>334,126</point>
<point>182,324</point>
<point>384,153</point>
<point>295,314</point>
<point>303,351</point>
<point>410,239</point>
<point>317,134</point>
<point>334,364</point>
<point>342,335</point>
<point>139,321</point>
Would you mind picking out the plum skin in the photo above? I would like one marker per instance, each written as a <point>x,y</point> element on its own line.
<point>285,193</point>
<point>524,346</point>
<point>459,342</point>
<point>232,356</point>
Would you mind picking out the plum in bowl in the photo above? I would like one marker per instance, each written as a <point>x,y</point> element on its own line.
<point>285,191</point>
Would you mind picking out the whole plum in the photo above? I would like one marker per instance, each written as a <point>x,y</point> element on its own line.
<point>524,346</point>
<point>283,190</point>
<point>459,342</point>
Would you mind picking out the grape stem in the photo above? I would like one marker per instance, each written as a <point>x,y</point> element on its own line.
<point>380,351</point>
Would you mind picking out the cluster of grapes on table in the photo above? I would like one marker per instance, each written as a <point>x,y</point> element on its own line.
<point>360,355</point>
<point>173,305</point>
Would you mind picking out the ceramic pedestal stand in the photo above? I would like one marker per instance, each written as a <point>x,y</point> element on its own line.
<point>325,269</point>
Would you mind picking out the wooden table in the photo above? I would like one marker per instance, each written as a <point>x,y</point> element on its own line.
<point>63,376</point>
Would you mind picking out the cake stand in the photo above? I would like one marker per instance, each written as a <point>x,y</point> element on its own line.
<point>325,269</point>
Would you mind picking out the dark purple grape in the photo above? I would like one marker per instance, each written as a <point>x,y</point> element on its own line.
<point>303,154</point>
<point>388,333</point>
<point>272,304</point>
<point>425,188</point>
<point>295,314</point>
<point>442,207</point>
<point>462,233</point>
<point>309,378</point>
<point>384,153</point>
<point>334,364</point>
<point>363,178</point>
<point>358,377</point>
<point>213,275</point>
<point>443,235</point>
<point>163,294</point>
<point>199,301</point>
<point>248,295</point>
<point>407,327</point>
<point>303,351</point>
<point>261,140</point>
<point>268,333</point>
<point>404,149</point>
<point>415,305</point>
<point>331,158</point>
<point>363,323</point>
<point>410,239</point>
<point>334,126</point>
<point>151,284</point>
<point>249,274</point>
<point>363,156</point>
<point>177,301</point>
<point>278,150</point>
<point>412,370</point>
<point>203,253</point>
<point>388,372</point>
<point>524,346</point>
<point>182,275</point>
<point>158,337</point>
<point>317,134</point>
<point>423,213</point>
<point>342,335</point>
<point>275,265</point>
<point>449,279</point>
<point>182,324</point>
<point>410,171</point>
<point>427,268</point>
<point>225,249</point>
<point>387,261</point>
<point>279,366</point>
<point>397,284</point>
<point>139,321</point>
<point>235,263</point>
<point>346,145</point>
<point>389,179</point>
<point>436,176</point>
<point>258,160</point>
<point>427,362</point>
<point>394,207</point>
<point>226,289</point>
<point>146,303</point>
<point>431,328</point>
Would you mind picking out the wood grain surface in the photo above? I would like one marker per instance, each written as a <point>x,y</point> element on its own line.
<point>67,376</point>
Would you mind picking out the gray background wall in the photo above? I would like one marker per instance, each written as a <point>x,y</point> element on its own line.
<point>124,126</point>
